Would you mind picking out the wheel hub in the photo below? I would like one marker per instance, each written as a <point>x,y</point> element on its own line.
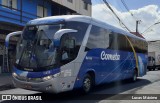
<point>87,84</point>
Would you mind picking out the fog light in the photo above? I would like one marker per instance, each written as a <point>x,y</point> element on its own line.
<point>48,87</point>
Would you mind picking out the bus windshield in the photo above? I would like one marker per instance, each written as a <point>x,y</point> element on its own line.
<point>36,49</point>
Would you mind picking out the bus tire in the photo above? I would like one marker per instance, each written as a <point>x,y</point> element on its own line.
<point>154,68</point>
<point>87,83</point>
<point>134,78</point>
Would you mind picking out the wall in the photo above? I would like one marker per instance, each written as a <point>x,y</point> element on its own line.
<point>29,9</point>
<point>77,6</point>
<point>154,51</point>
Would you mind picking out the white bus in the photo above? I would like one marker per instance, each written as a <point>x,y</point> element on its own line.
<point>62,53</point>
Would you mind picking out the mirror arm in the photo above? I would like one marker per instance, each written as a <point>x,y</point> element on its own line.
<point>60,33</point>
<point>10,35</point>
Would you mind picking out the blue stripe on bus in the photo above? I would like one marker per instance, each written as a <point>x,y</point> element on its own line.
<point>36,74</point>
<point>109,70</point>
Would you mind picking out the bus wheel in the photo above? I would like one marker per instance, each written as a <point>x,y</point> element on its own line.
<point>154,69</point>
<point>87,83</point>
<point>134,78</point>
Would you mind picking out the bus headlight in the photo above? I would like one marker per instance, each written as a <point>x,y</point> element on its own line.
<point>14,75</point>
<point>47,78</point>
<point>56,75</point>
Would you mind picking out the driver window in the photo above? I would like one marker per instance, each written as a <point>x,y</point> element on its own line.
<point>43,40</point>
<point>67,49</point>
<point>45,43</point>
<point>69,43</point>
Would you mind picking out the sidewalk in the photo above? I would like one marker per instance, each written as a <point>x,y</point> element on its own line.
<point>6,81</point>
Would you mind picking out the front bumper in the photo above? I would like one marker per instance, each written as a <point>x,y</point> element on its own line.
<point>50,86</point>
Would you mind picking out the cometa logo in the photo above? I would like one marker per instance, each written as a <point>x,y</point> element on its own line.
<point>105,56</point>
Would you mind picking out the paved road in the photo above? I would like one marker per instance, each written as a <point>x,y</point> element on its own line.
<point>107,93</point>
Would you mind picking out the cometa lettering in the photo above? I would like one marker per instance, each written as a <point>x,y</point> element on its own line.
<point>105,56</point>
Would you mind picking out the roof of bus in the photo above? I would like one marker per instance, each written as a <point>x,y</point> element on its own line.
<point>80,18</point>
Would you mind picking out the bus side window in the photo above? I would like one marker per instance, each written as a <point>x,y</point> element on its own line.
<point>98,38</point>
<point>113,39</point>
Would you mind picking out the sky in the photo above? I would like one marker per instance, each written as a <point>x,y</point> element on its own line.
<point>147,11</point>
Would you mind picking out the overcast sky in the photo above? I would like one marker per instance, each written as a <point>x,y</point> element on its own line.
<point>148,11</point>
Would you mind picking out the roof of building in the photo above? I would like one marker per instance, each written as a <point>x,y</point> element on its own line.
<point>138,34</point>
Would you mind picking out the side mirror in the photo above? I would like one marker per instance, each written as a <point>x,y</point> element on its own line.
<point>59,34</point>
<point>10,35</point>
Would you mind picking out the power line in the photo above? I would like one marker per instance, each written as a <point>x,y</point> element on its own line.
<point>125,5</point>
<point>158,21</point>
<point>104,9</point>
<point>107,4</point>
<point>112,15</point>
<point>150,26</point>
<point>137,21</point>
<point>129,23</point>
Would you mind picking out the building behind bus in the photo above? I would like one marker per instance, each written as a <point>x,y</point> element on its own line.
<point>16,13</point>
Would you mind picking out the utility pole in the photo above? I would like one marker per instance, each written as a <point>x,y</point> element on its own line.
<point>137,22</point>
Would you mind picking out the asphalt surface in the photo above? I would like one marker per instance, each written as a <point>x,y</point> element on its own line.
<point>6,81</point>
<point>116,92</point>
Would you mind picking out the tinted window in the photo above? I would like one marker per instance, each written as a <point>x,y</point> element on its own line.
<point>98,38</point>
<point>113,41</point>
<point>123,43</point>
<point>139,45</point>
<point>107,39</point>
<point>81,27</point>
<point>71,42</point>
<point>119,42</point>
